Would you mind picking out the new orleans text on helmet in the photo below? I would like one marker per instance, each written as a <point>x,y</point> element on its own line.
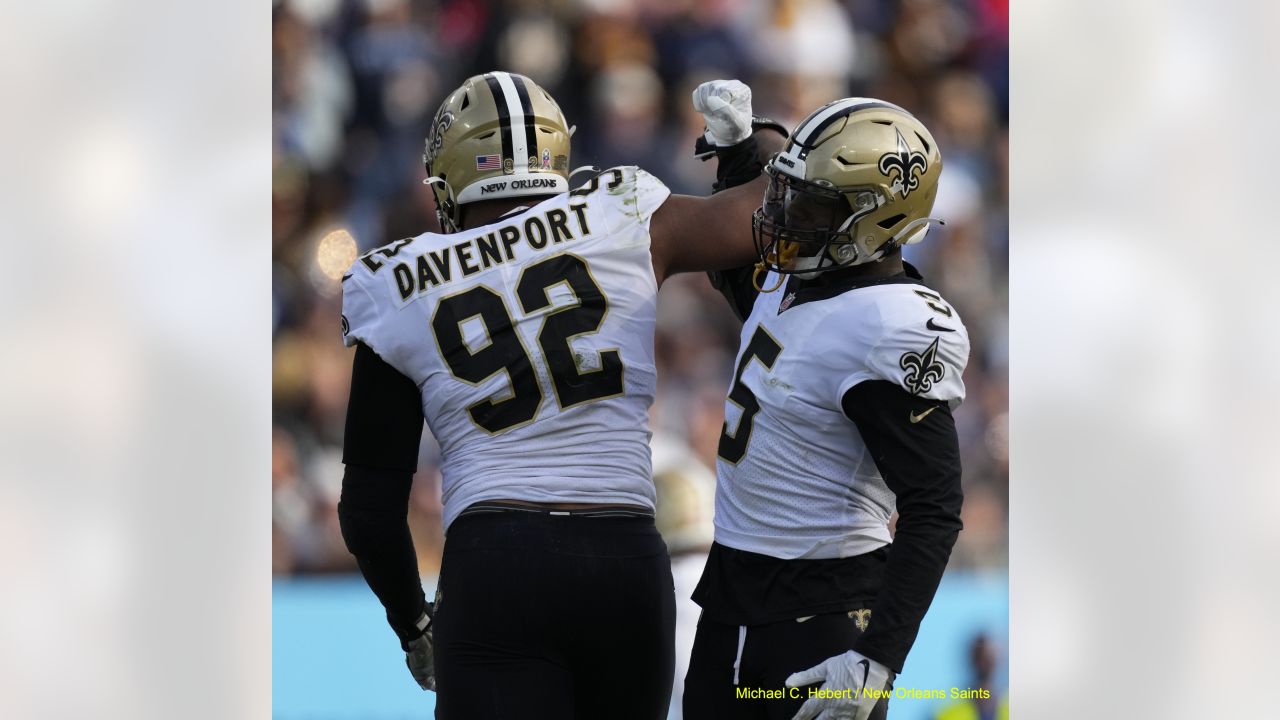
<point>435,267</point>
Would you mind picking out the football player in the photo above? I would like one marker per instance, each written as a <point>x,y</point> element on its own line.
<point>839,413</point>
<point>524,336</point>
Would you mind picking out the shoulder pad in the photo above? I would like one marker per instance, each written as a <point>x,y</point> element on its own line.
<point>923,352</point>
<point>360,290</point>
<point>628,190</point>
<point>359,313</point>
<point>913,339</point>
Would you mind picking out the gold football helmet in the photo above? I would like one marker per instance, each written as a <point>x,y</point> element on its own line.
<point>499,135</point>
<point>855,181</point>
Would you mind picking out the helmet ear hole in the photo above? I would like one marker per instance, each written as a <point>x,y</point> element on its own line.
<point>889,222</point>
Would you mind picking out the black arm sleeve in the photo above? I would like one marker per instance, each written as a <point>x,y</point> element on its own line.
<point>737,287</point>
<point>920,462</point>
<point>384,428</point>
<point>384,416</point>
<point>738,165</point>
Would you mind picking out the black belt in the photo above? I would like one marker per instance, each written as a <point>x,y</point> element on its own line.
<point>598,512</point>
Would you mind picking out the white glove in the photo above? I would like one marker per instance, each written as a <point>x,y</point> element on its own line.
<point>726,107</point>
<point>420,656</point>
<point>849,672</point>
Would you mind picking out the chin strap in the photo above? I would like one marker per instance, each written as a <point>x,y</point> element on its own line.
<point>762,271</point>
<point>777,259</point>
<point>446,223</point>
<point>912,226</point>
<point>896,241</point>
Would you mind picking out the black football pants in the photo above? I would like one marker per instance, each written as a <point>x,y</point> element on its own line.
<point>548,616</point>
<point>765,656</point>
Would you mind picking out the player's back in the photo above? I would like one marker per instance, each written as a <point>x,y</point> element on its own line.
<point>531,341</point>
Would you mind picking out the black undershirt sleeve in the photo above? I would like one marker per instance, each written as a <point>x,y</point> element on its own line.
<point>920,463</point>
<point>737,287</point>
<point>380,449</point>
<point>384,416</point>
<point>738,165</point>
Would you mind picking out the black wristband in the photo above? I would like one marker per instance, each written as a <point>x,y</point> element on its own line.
<point>703,149</point>
<point>741,163</point>
<point>409,631</point>
<point>760,122</point>
<point>737,164</point>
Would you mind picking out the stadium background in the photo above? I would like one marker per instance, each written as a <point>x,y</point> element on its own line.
<point>355,84</point>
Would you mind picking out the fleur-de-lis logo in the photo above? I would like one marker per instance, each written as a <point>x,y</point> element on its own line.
<point>906,164</point>
<point>923,369</point>
<point>861,618</point>
<point>435,137</point>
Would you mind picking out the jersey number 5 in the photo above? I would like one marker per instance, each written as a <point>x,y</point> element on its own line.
<point>505,352</point>
<point>733,445</point>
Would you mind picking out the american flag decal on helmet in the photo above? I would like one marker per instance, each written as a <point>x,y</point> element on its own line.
<point>488,162</point>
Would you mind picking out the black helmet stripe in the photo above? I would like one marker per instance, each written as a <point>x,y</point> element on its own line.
<point>530,130</point>
<point>824,117</point>
<point>517,123</point>
<point>504,115</point>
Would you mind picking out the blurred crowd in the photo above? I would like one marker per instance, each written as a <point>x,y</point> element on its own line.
<point>356,82</point>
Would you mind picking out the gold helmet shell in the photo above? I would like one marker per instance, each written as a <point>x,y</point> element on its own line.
<point>855,181</point>
<point>499,135</point>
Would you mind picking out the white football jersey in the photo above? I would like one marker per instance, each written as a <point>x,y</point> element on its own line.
<point>531,340</point>
<point>794,478</point>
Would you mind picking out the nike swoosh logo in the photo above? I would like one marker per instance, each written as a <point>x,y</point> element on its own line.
<point>866,670</point>
<point>806,617</point>
<point>344,277</point>
<point>914,418</point>
<point>931,326</point>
